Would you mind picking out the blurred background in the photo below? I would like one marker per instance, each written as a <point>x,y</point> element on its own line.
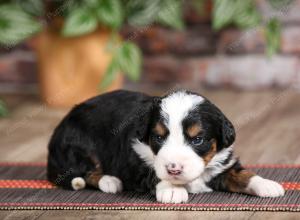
<point>242,55</point>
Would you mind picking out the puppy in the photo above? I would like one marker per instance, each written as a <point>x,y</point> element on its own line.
<point>171,146</point>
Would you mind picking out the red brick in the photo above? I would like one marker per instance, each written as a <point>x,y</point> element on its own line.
<point>165,70</point>
<point>157,40</point>
<point>5,49</point>
<point>18,67</point>
<point>290,39</point>
<point>233,41</point>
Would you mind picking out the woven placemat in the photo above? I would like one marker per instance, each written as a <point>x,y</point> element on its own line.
<point>23,186</point>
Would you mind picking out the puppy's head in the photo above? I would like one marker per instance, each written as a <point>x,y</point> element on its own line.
<point>186,131</point>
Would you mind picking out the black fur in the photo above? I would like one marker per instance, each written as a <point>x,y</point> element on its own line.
<point>101,130</point>
<point>103,126</point>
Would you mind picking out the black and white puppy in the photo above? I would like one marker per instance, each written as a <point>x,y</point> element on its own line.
<point>173,145</point>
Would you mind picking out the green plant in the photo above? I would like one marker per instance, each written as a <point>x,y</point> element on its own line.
<point>20,19</point>
<point>245,14</point>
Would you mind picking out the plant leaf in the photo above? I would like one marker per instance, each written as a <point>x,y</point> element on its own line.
<point>129,59</point>
<point>246,14</point>
<point>242,13</point>
<point>141,12</point>
<point>109,13</point>
<point>113,42</point>
<point>109,75</point>
<point>3,110</point>
<point>170,14</point>
<point>32,7</point>
<point>223,13</point>
<point>272,32</point>
<point>80,21</point>
<point>16,25</point>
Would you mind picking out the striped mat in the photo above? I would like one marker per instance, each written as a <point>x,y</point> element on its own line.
<point>23,186</point>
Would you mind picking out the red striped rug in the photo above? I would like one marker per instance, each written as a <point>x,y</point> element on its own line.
<point>23,186</point>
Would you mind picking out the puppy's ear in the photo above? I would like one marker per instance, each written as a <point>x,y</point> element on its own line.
<point>224,130</point>
<point>144,118</point>
<point>227,133</point>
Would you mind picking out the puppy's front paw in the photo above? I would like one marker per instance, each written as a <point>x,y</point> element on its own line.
<point>110,184</point>
<point>264,188</point>
<point>198,186</point>
<point>167,193</point>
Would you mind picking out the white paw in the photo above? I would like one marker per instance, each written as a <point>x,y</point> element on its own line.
<point>110,184</point>
<point>78,183</point>
<point>197,186</point>
<point>264,188</point>
<point>167,193</point>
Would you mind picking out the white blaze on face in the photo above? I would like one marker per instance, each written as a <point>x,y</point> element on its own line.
<point>174,150</point>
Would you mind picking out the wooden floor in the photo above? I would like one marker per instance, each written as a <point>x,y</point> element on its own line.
<point>268,131</point>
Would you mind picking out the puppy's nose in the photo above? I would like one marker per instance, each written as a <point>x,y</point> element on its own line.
<point>174,169</point>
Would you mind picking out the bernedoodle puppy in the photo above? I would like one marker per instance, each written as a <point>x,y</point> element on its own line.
<point>170,146</point>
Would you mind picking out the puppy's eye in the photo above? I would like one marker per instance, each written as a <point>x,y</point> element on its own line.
<point>159,138</point>
<point>197,141</point>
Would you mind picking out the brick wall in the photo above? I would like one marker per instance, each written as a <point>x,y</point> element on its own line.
<point>228,58</point>
<point>18,69</point>
<point>198,55</point>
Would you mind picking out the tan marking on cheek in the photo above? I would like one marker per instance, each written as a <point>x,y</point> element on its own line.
<point>211,153</point>
<point>194,130</point>
<point>92,177</point>
<point>160,129</point>
<point>237,181</point>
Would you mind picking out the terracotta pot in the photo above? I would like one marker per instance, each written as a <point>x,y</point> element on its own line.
<point>71,69</point>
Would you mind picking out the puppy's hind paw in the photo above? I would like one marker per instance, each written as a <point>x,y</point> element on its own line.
<point>264,188</point>
<point>110,184</point>
<point>78,183</point>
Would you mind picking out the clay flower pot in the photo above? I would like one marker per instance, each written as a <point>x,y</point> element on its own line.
<point>71,69</point>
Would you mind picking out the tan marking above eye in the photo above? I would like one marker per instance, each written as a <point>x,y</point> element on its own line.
<point>160,129</point>
<point>194,130</point>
